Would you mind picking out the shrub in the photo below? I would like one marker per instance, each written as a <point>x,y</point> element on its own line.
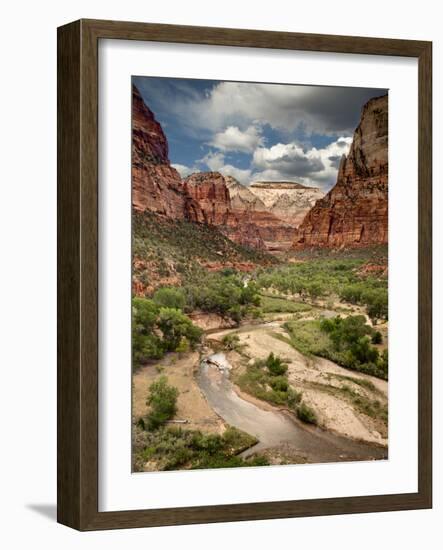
<point>293,397</point>
<point>183,346</point>
<point>377,337</point>
<point>306,414</point>
<point>162,400</point>
<point>275,365</point>
<point>267,379</point>
<point>172,297</point>
<point>232,342</point>
<point>279,383</point>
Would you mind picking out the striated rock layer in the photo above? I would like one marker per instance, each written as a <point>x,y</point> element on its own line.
<point>355,211</point>
<point>240,215</point>
<point>289,201</point>
<point>209,191</point>
<point>276,233</point>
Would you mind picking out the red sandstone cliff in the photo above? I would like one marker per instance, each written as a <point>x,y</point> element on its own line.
<point>225,203</point>
<point>156,185</point>
<point>209,191</point>
<point>355,211</point>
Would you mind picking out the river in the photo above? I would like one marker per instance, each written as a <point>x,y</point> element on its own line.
<point>273,427</point>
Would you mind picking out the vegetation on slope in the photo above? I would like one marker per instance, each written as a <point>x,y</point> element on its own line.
<point>346,341</point>
<point>166,250</point>
<point>267,379</point>
<point>175,448</point>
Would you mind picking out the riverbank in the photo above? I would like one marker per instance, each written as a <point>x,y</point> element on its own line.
<point>336,394</point>
<point>284,438</point>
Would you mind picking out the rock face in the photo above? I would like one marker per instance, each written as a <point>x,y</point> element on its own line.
<point>255,217</point>
<point>209,191</point>
<point>156,185</point>
<point>242,198</point>
<point>287,200</point>
<point>237,212</point>
<point>355,211</point>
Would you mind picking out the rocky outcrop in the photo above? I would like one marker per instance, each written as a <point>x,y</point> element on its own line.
<point>242,198</point>
<point>257,218</point>
<point>355,211</point>
<point>156,185</point>
<point>209,191</point>
<point>289,201</point>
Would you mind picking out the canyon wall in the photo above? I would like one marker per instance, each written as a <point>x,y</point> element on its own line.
<point>156,185</point>
<point>355,211</point>
<point>289,201</point>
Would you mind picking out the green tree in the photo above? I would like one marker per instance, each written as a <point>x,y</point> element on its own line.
<point>174,325</point>
<point>170,297</point>
<point>146,344</point>
<point>162,401</point>
<point>144,313</point>
<point>183,346</point>
<point>377,304</point>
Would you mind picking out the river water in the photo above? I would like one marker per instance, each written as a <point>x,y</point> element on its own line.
<point>273,428</point>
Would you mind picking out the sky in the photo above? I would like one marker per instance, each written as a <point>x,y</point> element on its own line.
<point>255,131</point>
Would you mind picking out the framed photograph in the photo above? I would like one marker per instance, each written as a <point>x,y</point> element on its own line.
<point>244,275</point>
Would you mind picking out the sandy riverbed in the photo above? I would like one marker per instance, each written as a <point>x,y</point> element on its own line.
<point>335,412</point>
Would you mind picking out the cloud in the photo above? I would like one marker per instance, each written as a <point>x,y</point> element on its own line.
<point>233,139</point>
<point>311,109</point>
<point>290,162</point>
<point>183,170</point>
<point>289,159</point>
<point>316,167</point>
<point>214,161</point>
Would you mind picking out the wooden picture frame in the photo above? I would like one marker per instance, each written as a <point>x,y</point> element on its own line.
<point>78,274</point>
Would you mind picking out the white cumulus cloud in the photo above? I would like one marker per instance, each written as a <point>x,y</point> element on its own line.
<point>290,162</point>
<point>234,139</point>
<point>183,170</point>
